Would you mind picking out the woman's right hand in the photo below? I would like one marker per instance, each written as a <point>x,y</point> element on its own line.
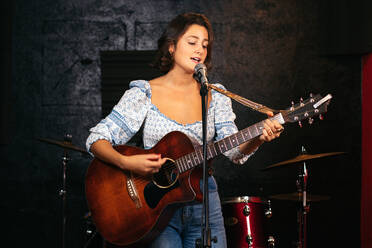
<point>143,164</point>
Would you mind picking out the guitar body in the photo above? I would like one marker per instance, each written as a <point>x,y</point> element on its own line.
<point>131,221</point>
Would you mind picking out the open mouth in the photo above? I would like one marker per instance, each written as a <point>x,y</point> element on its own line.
<point>197,60</point>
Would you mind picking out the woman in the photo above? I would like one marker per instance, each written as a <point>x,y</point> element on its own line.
<point>172,102</point>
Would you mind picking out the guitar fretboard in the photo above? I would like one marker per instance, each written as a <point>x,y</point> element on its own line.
<point>195,158</point>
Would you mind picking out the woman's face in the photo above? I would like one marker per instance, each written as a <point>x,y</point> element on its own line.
<point>190,49</point>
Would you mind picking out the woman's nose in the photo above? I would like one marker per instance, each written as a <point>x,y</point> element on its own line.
<point>199,50</point>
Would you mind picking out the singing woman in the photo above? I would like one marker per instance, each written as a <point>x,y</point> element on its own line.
<point>172,102</point>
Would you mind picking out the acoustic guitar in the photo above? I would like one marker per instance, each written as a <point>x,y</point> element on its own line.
<point>130,210</point>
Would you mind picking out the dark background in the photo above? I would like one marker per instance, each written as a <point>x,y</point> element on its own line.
<point>268,51</point>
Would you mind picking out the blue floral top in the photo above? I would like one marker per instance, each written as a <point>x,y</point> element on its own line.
<point>135,107</point>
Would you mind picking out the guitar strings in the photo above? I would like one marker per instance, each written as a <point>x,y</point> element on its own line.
<point>169,167</point>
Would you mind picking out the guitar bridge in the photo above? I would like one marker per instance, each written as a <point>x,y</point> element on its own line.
<point>133,191</point>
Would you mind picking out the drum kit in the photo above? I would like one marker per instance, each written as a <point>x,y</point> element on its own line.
<point>246,217</point>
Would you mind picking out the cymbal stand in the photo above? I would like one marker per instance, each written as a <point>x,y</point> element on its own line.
<point>304,208</point>
<point>62,192</point>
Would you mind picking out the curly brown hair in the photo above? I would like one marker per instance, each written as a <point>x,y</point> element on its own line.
<point>175,29</point>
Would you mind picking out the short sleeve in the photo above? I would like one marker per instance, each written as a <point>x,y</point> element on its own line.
<point>225,124</point>
<point>125,118</point>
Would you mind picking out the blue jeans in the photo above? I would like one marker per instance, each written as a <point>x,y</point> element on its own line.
<point>185,226</point>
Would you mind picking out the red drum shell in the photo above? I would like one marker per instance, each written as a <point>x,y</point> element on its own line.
<point>240,226</point>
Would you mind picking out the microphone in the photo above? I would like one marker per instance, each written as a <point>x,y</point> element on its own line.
<point>200,73</point>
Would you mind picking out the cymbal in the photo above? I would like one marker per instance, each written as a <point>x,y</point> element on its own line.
<point>304,157</point>
<point>296,196</point>
<point>63,144</point>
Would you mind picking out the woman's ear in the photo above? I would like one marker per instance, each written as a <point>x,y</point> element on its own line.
<point>171,49</point>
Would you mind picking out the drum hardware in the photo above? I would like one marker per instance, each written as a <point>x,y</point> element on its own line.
<point>268,212</point>
<point>67,145</point>
<point>90,231</point>
<point>249,240</point>
<point>93,239</point>
<point>271,241</point>
<point>246,210</point>
<point>62,192</point>
<point>246,220</point>
<point>301,184</point>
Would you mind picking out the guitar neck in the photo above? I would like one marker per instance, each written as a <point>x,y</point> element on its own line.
<point>195,158</point>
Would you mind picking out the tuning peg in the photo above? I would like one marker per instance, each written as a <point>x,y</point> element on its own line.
<point>312,98</point>
<point>321,117</point>
<point>301,101</point>
<point>67,138</point>
<point>311,120</point>
<point>300,124</point>
<point>292,107</point>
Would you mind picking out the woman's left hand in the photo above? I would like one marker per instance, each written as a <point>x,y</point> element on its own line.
<point>272,129</point>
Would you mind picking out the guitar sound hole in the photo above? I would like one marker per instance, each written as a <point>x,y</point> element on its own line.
<point>167,175</point>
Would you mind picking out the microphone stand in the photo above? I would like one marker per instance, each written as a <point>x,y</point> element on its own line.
<point>205,240</point>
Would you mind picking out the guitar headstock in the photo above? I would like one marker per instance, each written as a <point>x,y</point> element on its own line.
<point>306,109</point>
